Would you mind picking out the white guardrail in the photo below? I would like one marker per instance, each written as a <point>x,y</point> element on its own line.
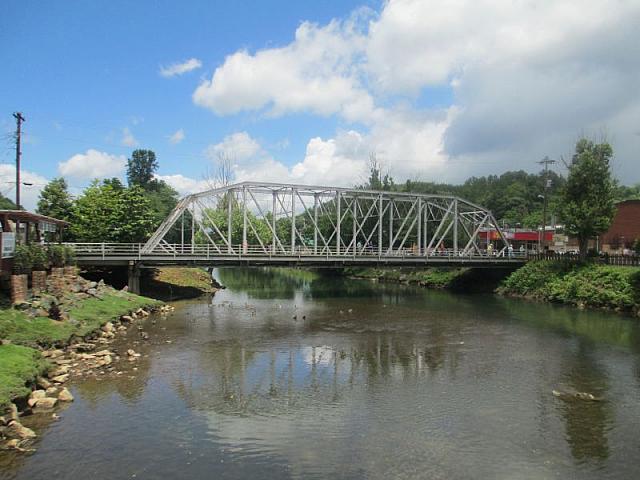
<point>107,250</point>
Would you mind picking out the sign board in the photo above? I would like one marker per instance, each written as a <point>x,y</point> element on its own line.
<point>8,244</point>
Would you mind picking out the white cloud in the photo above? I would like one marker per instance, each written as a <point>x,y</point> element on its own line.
<point>177,137</point>
<point>128,140</point>
<point>28,193</point>
<point>180,68</point>
<point>185,185</point>
<point>93,164</point>
<point>526,78</point>
<point>238,147</point>
<point>314,73</point>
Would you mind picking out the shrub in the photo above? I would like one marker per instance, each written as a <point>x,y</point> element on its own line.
<point>39,257</point>
<point>57,255</point>
<point>69,255</point>
<point>22,261</point>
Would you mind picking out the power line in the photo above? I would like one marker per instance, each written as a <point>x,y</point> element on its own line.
<point>19,119</point>
<point>546,161</point>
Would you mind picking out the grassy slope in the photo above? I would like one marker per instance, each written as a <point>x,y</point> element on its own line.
<point>178,282</point>
<point>20,363</point>
<point>600,286</point>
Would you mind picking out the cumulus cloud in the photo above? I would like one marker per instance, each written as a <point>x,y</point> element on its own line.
<point>128,140</point>
<point>526,79</point>
<point>28,193</point>
<point>314,73</point>
<point>237,147</point>
<point>177,137</point>
<point>180,68</point>
<point>185,185</point>
<point>93,164</point>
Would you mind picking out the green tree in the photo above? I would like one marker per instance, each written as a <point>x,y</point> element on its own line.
<point>107,213</point>
<point>587,206</point>
<point>162,198</point>
<point>55,200</point>
<point>141,167</point>
<point>6,204</point>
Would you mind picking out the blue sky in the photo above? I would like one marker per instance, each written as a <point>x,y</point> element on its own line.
<point>306,91</point>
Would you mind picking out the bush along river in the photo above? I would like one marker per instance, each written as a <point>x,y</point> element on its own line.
<point>291,375</point>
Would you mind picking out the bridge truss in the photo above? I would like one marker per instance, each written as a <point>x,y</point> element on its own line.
<point>268,219</point>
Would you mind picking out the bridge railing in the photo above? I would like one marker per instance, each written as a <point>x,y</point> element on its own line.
<point>134,251</point>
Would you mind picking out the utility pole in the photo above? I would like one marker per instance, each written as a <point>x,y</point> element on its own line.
<point>546,161</point>
<point>19,119</point>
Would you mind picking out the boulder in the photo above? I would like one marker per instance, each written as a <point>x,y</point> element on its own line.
<point>12,412</point>
<point>51,391</point>
<point>84,347</point>
<point>103,353</point>
<point>107,327</point>
<point>61,378</point>
<point>46,402</point>
<point>17,430</point>
<point>65,395</point>
<point>126,318</point>
<point>43,383</point>
<point>35,396</point>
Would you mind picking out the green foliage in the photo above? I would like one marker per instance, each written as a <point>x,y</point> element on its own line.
<point>56,255</point>
<point>589,285</point>
<point>141,167</point>
<point>106,213</point>
<point>588,198</point>
<point>18,366</point>
<point>39,257</point>
<point>22,260</point>
<point>55,200</point>
<point>162,199</point>
<point>219,217</point>
<point>6,204</point>
<point>428,277</point>
<point>636,246</point>
<point>69,255</point>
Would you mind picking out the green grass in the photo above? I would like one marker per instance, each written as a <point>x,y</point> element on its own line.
<point>18,365</point>
<point>85,317</point>
<point>599,286</point>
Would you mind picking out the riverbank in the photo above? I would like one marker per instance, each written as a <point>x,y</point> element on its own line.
<point>584,286</point>
<point>456,279</point>
<point>28,331</point>
<point>178,283</point>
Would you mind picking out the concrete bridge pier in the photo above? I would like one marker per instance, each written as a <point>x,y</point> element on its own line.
<point>134,277</point>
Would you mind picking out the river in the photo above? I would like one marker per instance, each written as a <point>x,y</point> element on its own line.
<point>287,374</point>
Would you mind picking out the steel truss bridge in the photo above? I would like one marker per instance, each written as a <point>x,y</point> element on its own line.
<point>255,223</point>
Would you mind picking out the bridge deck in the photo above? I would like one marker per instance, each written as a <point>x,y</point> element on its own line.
<point>124,254</point>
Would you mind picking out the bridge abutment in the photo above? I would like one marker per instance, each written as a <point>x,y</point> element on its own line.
<point>134,278</point>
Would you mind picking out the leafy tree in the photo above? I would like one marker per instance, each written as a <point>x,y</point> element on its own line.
<point>162,198</point>
<point>220,218</point>
<point>6,204</point>
<point>55,200</point>
<point>141,167</point>
<point>588,197</point>
<point>104,213</point>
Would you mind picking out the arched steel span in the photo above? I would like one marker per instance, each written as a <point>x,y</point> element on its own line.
<point>273,219</point>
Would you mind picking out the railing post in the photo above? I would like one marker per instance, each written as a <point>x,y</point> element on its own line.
<point>103,249</point>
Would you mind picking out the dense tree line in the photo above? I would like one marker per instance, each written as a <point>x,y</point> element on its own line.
<point>109,211</point>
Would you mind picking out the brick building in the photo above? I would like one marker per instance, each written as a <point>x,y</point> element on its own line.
<point>624,229</point>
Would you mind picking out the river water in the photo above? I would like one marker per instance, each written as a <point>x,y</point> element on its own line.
<point>291,375</point>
